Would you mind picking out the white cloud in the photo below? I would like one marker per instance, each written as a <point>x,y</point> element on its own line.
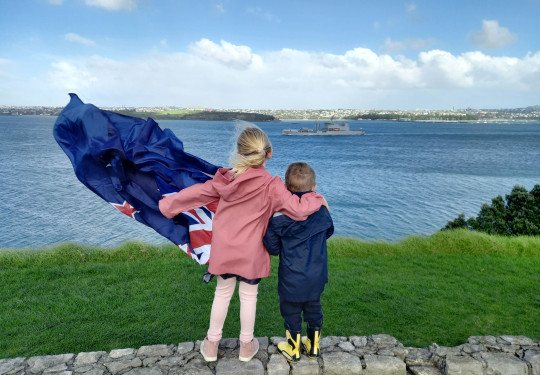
<point>391,46</point>
<point>113,4</point>
<point>163,43</point>
<point>72,37</point>
<point>412,13</point>
<point>72,76</point>
<point>238,57</point>
<point>55,2</point>
<point>411,8</point>
<point>229,76</point>
<point>441,69</point>
<point>492,36</point>
<point>220,8</point>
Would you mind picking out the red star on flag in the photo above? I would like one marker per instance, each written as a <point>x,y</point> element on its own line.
<point>126,209</point>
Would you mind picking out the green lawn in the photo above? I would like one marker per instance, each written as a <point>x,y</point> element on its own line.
<point>442,289</point>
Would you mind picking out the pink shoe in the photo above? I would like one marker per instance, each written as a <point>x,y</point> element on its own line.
<point>248,350</point>
<point>209,350</point>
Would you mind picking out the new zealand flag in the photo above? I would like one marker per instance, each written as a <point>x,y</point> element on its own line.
<point>132,163</point>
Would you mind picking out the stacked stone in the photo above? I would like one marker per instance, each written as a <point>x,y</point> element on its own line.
<point>364,355</point>
<point>489,355</point>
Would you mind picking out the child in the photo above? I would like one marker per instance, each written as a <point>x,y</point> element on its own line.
<point>303,266</point>
<point>248,195</point>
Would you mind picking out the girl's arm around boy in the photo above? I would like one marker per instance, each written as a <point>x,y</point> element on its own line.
<point>291,205</point>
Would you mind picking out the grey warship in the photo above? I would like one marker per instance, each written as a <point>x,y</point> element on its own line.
<point>328,128</point>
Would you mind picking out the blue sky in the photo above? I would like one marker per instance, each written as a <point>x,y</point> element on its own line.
<point>294,54</point>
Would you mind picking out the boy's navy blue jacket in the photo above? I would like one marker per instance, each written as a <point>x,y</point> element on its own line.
<point>301,246</point>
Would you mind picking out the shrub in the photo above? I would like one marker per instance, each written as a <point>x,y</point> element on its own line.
<point>518,215</point>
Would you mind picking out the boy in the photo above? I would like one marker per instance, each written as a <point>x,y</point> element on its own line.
<point>303,266</point>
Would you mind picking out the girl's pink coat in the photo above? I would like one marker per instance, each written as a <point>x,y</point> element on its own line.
<point>244,208</point>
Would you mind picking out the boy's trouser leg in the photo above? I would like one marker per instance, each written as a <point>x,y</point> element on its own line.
<point>314,317</point>
<point>292,315</point>
<point>313,314</point>
<point>248,309</point>
<point>220,306</point>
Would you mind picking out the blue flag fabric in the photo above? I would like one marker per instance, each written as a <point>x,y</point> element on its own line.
<point>132,163</point>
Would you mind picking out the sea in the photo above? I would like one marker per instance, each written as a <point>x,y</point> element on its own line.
<point>400,179</point>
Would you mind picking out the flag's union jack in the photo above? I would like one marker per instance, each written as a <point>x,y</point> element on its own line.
<point>132,163</point>
<point>200,232</point>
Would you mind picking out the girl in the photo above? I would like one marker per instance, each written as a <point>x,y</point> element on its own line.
<point>248,196</point>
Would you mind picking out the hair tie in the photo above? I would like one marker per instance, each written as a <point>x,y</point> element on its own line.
<point>260,150</point>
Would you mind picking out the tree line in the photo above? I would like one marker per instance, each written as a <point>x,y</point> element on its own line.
<point>202,115</point>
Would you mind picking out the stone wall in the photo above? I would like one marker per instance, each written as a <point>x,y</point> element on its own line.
<point>369,355</point>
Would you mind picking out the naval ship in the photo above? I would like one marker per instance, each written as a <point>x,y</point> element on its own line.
<point>328,128</point>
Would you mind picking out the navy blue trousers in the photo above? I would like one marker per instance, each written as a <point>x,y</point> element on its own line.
<point>292,314</point>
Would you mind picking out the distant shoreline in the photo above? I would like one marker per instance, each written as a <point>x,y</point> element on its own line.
<point>531,113</point>
<point>432,121</point>
<point>255,117</point>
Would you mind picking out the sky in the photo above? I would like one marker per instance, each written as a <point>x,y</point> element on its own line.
<point>274,54</point>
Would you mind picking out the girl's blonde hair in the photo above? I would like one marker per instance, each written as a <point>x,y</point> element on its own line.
<point>252,147</point>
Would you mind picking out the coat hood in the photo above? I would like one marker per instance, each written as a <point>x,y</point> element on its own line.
<point>247,183</point>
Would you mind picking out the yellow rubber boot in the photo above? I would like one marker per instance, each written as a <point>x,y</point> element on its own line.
<point>311,343</point>
<point>290,348</point>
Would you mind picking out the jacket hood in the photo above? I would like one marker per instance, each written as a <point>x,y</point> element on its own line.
<point>315,223</point>
<point>247,183</point>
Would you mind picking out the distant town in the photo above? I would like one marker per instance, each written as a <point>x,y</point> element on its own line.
<point>531,113</point>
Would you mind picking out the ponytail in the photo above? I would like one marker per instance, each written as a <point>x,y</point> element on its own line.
<point>252,147</point>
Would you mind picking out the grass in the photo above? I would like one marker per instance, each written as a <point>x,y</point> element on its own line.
<point>443,288</point>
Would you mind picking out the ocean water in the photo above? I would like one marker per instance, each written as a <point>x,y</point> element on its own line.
<point>400,179</point>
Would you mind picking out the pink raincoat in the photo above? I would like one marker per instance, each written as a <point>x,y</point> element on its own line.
<point>245,206</point>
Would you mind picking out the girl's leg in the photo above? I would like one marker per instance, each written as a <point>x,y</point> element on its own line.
<point>249,346</point>
<point>220,306</point>
<point>248,309</point>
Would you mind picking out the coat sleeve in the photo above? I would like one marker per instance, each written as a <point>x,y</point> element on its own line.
<point>291,205</point>
<point>272,238</point>
<point>330,230</point>
<point>189,198</point>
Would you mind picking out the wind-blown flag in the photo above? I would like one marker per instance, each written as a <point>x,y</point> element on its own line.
<point>132,163</point>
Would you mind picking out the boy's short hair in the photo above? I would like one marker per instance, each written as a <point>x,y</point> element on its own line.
<point>300,177</point>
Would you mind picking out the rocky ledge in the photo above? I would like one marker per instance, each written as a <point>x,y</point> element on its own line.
<point>370,355</point>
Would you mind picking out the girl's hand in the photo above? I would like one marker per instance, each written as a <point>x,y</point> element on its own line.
<point>325,204</point>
